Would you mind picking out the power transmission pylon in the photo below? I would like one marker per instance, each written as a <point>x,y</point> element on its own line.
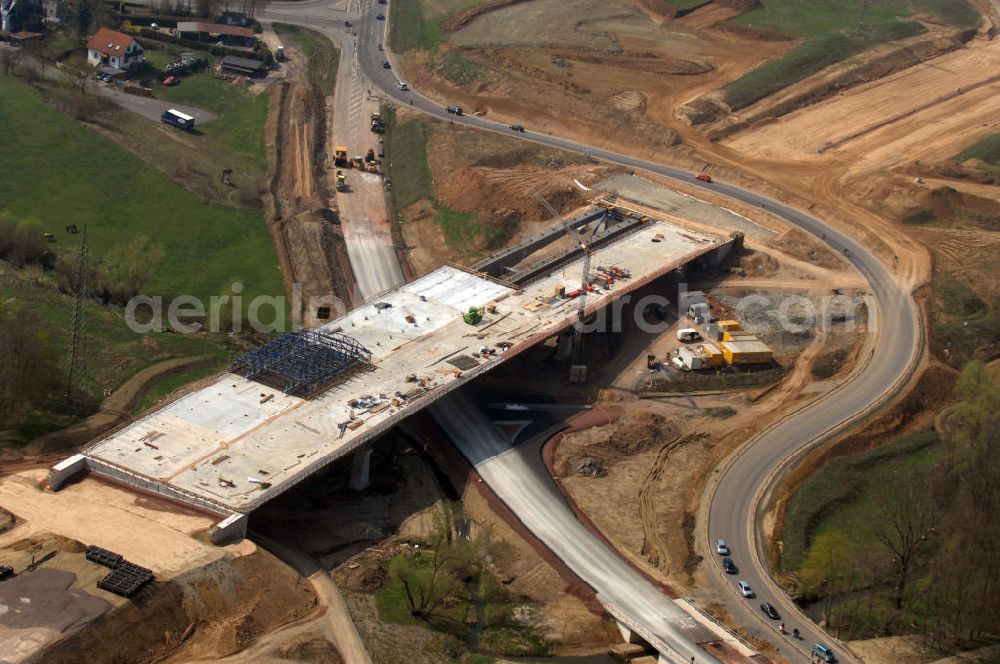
<point>76,361</point>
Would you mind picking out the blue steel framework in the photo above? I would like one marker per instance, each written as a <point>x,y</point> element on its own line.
<point>307,360</point>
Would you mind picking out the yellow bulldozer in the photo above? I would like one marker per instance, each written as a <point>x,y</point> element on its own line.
<point>340,156</point>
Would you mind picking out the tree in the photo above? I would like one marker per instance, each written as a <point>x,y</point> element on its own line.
<point>29,361</point>
<point>84,17</point>
<point>77,73</point>
<point>132,266</point>
<point>10,60</point>
<point>430,577</point>
<point>904,523</point>
<point>827,567</point>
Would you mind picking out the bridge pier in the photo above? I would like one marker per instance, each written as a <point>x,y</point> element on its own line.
<point>232,529</point>
<point>628,635</point>
<point>361,469</point>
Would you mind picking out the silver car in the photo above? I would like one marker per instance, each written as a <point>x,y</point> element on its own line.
<point>745,589</point>
<point>721,547</point>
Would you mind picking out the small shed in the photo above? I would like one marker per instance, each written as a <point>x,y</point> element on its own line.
<point>233,64</point>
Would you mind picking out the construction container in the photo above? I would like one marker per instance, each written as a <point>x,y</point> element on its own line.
<point>739,336</point>
<point>729,325</point>
<point>739,353</point>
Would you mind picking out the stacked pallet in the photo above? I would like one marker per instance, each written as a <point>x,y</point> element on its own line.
<point>125,579</point>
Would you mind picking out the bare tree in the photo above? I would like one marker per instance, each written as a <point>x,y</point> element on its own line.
<point>903,525</point>
<point>77,73</point>
<point>44,52</point>
<point>10,60</point>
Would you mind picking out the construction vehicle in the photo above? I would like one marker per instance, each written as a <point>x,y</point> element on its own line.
<point>652,363</point>
<point>473,315</point>
<point>340,156</point>
<point>371,167</point>
<point>378,126</point>
<point>371,155</point>
<point>341,180</point>
<point>358,162</point>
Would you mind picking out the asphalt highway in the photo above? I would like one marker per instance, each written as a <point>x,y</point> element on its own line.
<point>734,509</point>
<point>524,485</point>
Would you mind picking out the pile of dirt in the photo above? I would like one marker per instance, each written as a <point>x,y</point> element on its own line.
<point>634,434</point>
<point>948,207</point>
<point>758,264</point>
<point>212,611</point>
<point>798,244</point>
<point>310,649</point>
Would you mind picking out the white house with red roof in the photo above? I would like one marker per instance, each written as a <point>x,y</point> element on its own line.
<point>114,49</point>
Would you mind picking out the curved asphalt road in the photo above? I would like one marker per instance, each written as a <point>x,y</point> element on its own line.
<point>896,350</point>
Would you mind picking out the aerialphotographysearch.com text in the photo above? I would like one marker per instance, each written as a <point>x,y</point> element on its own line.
<point>651,314</point>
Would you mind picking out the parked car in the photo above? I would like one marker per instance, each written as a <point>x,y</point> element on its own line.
<point>380,16</point>
<point>823,652</point>
<point>455,110</point>
<point>769,611</point>
<point>402,85</point>
<point>517,127</point>
<point>170,80</point>
<point>721,547</point>
<point>729,566</point>
<point>386,65</point>
<point>106,78</point>
<point>348,24</point>
<point>745,589</point>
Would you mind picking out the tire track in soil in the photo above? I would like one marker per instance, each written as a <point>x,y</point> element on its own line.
<point>652,547</point>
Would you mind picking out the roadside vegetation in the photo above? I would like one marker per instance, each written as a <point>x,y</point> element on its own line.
<point>424,21</point>
<point>445,584</point>
<point>834,32</point>
<point>895,540</point>
<point>412,181</point>
<point>986,151</point>
<point>324,57</point>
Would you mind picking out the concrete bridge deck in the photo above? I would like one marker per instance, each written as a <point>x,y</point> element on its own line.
<point>234,445</point>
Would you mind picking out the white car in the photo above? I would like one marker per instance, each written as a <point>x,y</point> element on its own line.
<point>745,589</point>
<point>402,86</point>
<point>721,547</point>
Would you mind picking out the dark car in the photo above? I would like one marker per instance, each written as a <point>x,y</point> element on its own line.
<point>455,110</point>
<point>386,65</point>
<point>729,566</point>
<point>380,17</point>
<point>517,127</point>
<point>769,611</point>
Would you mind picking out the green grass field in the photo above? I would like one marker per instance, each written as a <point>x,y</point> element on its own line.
<point>987,150</point>
<point>844,495</point>
<point>239,129</point>
<point>417,23</point>
<point>67,173</point>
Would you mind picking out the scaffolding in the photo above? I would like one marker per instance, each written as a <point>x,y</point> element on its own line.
<point>306,360</point>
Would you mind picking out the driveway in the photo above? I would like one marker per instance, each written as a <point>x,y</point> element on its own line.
<point>149,107</point>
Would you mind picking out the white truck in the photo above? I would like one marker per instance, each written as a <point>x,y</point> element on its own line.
<point>688,334</point>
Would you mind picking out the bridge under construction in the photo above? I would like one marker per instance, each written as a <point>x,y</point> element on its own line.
<point>309,398</point>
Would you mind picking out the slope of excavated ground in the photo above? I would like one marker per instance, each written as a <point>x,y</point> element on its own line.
<point>304,227</point>
<point>497,178</point>
<point>557,72</point>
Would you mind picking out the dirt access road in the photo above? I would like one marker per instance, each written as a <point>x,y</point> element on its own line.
<point>363,210</point>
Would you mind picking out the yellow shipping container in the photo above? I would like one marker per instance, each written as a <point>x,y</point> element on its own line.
<point>746,352</point>
<point>738,336</point>
<point>712,353</point>
<point>729,325</point>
